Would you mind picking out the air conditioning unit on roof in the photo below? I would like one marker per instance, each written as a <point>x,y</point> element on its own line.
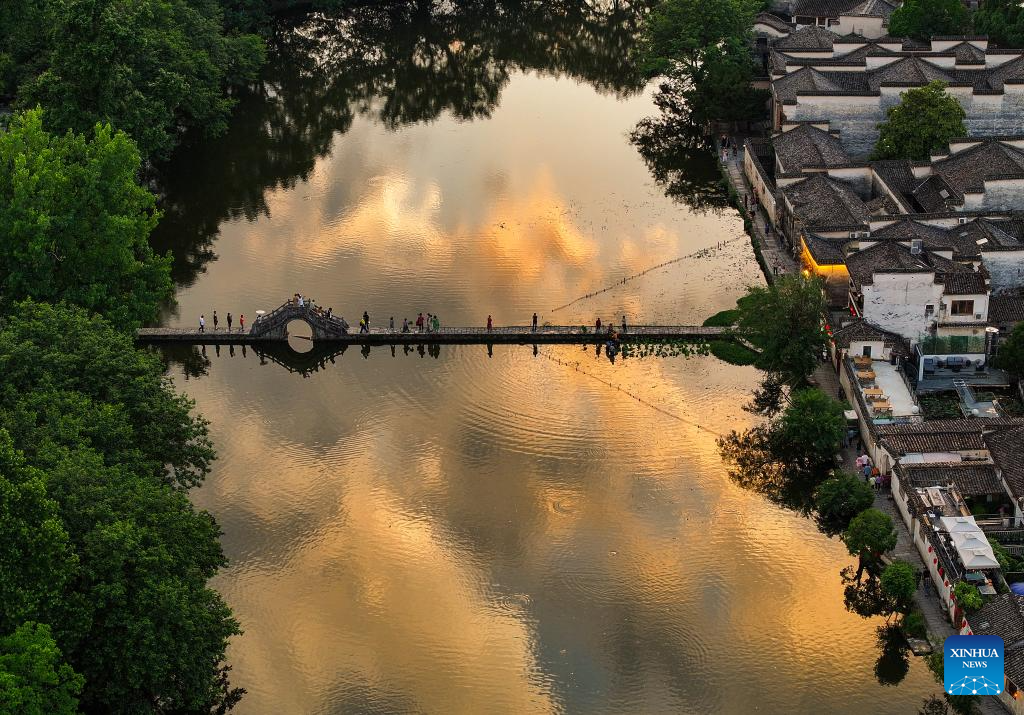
<point>963,219</point>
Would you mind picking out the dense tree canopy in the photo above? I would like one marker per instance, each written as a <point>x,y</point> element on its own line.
<point>869,535</point>
<point>840,498</point>
<point>921,19</point>
<point>1002,21</point>
<point>34,679</point>
<point>899,583</point>
<point>684,31</point>
<point>152,68</point>
<point>785,320</point>
<point>108,449</point>
<point>787,457</point>
<point>1011,352</point>
<point>925,119</point>
<point>75,223</point>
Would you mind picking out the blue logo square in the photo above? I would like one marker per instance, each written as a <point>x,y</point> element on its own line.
<point>973,665</point>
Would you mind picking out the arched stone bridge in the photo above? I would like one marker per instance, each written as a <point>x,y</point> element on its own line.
<point>274,325</point>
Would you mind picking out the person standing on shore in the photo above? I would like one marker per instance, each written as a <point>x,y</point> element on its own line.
<point>623,323</point>
<point>202,323</point>
<point>391,325</point>
<point>229,322</point>
<point>366,319</point>
<point>597,326</point>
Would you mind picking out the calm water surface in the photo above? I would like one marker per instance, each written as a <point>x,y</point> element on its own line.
<point>469,532</point>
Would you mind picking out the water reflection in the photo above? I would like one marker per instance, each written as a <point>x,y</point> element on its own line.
<point>400,63</point>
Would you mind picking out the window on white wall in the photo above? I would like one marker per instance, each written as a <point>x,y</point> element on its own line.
<point>929,310</point>
<point>961,307</point>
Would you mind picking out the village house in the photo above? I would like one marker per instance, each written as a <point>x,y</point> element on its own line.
<point>868,17</point>
<point>851,81</point>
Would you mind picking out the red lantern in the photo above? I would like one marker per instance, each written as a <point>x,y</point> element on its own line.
<point>942,571</point>
<point>929,549</point>
<point>935,560</point>
<point>947,583</point>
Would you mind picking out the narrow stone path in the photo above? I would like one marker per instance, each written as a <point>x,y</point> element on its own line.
<point>775,254</point>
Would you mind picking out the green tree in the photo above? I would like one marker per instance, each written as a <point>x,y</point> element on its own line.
<point>34,680</point>
<point>840,498</point>
<point>35,557</point>
<point>684,31</point>
<point>869,535</point>
<point>119,450</point>
<point>921,19</point>
<point>721,88</point>
<point>1002,21</point>
<point>899,583</point>
<point>75,223</point>
<point>784,320</point>
<point>1011,352</point>
<point>968,596</point>
<point>165,65</point>
<point>787,458</point>
<point>926,118</point>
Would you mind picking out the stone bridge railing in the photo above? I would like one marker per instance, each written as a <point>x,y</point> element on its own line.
<point>275,323</point>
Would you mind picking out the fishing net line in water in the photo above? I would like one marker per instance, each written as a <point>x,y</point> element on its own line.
<point>702,253</point>
<point>575,364</point>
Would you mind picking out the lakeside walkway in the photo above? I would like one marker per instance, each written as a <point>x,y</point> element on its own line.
<point>774,253</point>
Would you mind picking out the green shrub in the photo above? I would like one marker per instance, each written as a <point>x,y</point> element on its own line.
<point>732,353</point>
<point>914,626</point>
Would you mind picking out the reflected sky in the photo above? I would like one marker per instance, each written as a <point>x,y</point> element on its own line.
<point>468,531</point>
<point>517,534</point>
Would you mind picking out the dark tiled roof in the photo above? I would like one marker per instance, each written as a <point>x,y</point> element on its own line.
<point>773,21</point>
<point>932,436</point>
<point>805,146</point>
<point>825,251</point>
<point>964,283</point>
<point>1003,616</point>
<point>908,71</point>
<point>967,54</point>
<point>898,175</point>
<point>970,478</point>
<point>802,81</point>
<point>967,169</point>
<point>882,206</point>
<point>835,8</point>
<point>822,201</point>
<point>863,330</point>
<point>935,194</point>
<point>1007,450</point>
<point>1006,309</point>
<point>885,257</point>
<point>806,39</point>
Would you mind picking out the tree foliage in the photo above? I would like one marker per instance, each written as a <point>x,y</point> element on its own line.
<point>968,596</point>
<point>704,47</point>
<point>921,19</point>
<point>899,582</point>
<point>1011,352</point>
<point>1002,21</point>
<point>686,30</point>
<point>97,423</point>
<point>34,679</point>
<point>788,457</point>
<point>840,498</point>
<point>75,222</point>
<point>926,119</point>
<point>869,535</point>
<point>165,66</point>
<point>785,320</point>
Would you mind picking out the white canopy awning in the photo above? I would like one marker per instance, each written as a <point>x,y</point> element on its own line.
<point>974,550</point>
<point>959,524</point>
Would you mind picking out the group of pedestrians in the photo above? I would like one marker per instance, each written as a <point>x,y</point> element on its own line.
<point>216,322</point>
<point>872,475</point>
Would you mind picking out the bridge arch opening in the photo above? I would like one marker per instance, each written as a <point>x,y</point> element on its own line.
<point>300,335</point>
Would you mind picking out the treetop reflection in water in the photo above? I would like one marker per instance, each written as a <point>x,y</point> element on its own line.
<point>401,63</point>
